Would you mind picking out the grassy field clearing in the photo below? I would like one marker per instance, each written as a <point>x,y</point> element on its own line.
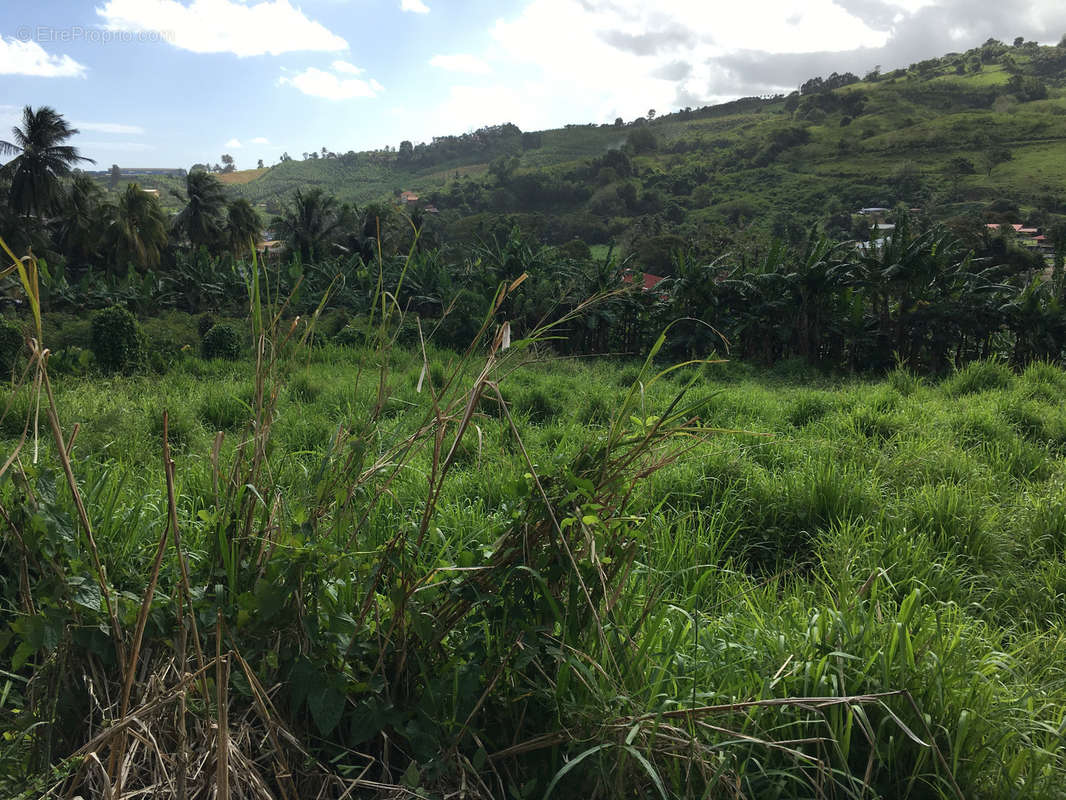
<point>834,539</point>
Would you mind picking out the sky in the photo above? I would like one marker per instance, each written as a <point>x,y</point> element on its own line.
<point>168,83</point>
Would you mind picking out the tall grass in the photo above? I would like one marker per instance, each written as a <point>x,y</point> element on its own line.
<point>528,579</point>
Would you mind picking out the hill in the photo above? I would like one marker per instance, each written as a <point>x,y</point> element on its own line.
<point>977,136</point>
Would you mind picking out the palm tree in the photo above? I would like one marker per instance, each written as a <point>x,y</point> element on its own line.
<point>137,230</point>
<point>201,221</point>
<point>308,224</point>
<point>242,226</point>
<point>80,221</point>
<point>41,160</point>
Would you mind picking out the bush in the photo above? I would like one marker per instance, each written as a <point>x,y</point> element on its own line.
<point>11,344</point>
<point>222,341</point>
<point>116,340</point>
<point>205,323</point>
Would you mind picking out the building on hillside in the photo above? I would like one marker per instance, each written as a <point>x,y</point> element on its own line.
<point>408,198</point>
<point>1026,236</point>
<point>874,213</point>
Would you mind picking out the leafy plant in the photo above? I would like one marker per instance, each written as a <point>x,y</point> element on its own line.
<point>221,341</point>
<point>116,340</point>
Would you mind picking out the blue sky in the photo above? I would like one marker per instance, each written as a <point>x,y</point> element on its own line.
<point>173,82</point>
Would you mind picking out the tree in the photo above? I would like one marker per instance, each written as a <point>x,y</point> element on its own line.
<point>228,164</point>
<point>308,223</point>
<point>406,152</point>
<point>41,161</point>
<point>503,168</point>
<point>792,103</point>
<point>285,157</point>
<point>200,221</point>
<point>651,115</point>
<point>996,155</point>
<point>137,230</point>
<point>618,122</point>
<point>114,176</point>
<point>242,226</point>
<point>80,221</point>
<point>642,140</point>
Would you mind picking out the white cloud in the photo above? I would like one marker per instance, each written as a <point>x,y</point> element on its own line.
<point>612,58</point>
<point>415,6</point>
<point>260,140</point>
<point>29,58</point>
<point>330,85</point>
<point>241,27</point>
<point>461,62</point>
<point>347,67</point>
<point>234,143</point>
<point>110,127</point>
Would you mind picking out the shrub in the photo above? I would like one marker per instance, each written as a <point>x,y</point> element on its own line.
<point>205,323</point>
<point>116,340</point>
<point>353,334</point>
<point>11,344</point>
<point>222,341</point>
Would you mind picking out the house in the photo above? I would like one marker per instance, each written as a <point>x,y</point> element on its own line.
<point>1026,237</point>
<point>647,281</point>
<point>408,198</point>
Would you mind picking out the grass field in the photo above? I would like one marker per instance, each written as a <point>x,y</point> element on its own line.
<point>830,538</point>
<point>241,176</point>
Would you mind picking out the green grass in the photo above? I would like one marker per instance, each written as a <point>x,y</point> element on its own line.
<point>836,538</point>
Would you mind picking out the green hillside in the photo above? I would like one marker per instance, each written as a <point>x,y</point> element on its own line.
<point>979,135</point>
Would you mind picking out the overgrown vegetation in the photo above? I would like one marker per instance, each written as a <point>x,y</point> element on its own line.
<point>405,569</point>
<point>355,521</point>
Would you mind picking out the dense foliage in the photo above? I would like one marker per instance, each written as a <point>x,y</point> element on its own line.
<point>221,341</point>
<point>117,340</point>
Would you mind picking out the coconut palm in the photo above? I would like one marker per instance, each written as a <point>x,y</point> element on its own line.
<point>202,220</point>
<point>137,230</point>
<point>41,160</point>
<point>242,226</point>
<point>309,223</point>
<point>81,220</point>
